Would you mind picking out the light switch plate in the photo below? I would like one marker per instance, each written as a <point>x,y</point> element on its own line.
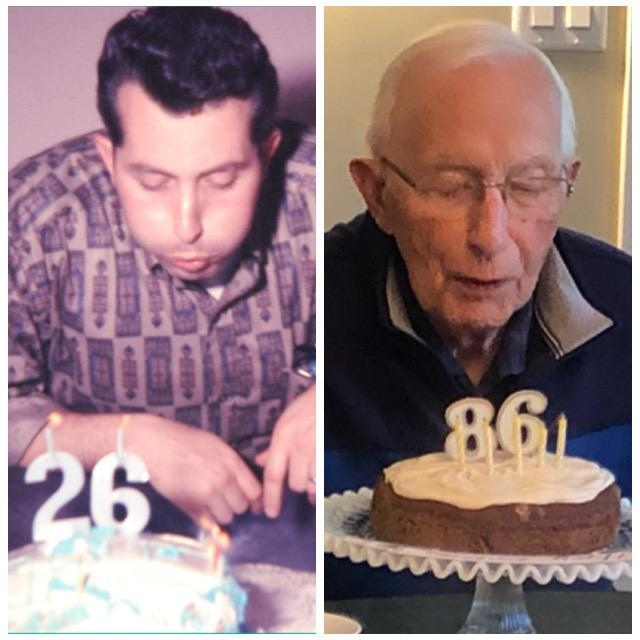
<point>562,28</point>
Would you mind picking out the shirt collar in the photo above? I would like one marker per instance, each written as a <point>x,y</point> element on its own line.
<point>566,318</point>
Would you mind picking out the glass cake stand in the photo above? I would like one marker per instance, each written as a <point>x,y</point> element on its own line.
<point>498,604</point>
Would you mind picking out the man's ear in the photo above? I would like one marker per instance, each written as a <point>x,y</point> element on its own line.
<point>574,168</point>
<point>364,172</point>
<point>269,146</point>
<point>105,149</point>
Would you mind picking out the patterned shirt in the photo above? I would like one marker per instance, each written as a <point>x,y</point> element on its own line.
<point>97,325</point>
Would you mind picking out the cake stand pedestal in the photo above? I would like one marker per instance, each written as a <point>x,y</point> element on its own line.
<point>498,605</point>
<point>498,608</point>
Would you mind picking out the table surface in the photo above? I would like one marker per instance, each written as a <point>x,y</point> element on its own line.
<point>550,611</point>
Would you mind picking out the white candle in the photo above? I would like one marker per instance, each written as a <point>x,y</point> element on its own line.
<point>48,435</point>
<point>104,496</point>
<point>54,420</point>
<point>535,403</point>
<point>465,418</point>
<point>460,444</point>
<point>120,438</point>
<point>517,443</point>
<point>542,446</point>
<point>44,527</point>
<point>562,438</point>
<point>488,439</point>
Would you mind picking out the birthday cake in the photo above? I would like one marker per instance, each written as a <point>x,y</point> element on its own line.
<point>105,581</point>
<point>431,501</point>
<point>506,494</point>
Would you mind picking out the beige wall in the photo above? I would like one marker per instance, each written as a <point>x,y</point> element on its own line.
<point>361,41</point>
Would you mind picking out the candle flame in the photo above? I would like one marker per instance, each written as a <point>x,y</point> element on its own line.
<point>224,540</point>
<point>54,420</point>
<point>217,542</point>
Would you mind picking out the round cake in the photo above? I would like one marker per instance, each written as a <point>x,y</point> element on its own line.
<point>109,582</point>
<point>549,508</point>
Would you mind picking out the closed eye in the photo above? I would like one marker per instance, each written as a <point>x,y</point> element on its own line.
<point>223,178</point>
<point>153,182</point>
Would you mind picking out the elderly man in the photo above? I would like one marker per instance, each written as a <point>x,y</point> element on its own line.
<point>163,269</point>
<point>458,281</point>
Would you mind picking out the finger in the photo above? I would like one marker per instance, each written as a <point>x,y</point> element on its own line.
<point>274,475</point>
<point>234,496</point>
<point>298,473</point>
<point>261,458</point>
<point>220,510</point>
<point>197,514</point>
<point>311,484</point>
<point>246,479</point>
<point>256,506</point>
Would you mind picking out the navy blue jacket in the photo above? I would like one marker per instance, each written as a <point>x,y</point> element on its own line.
<point>386,392</point>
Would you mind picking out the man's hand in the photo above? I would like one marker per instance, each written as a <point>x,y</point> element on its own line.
<point>194,469</point>
<point>291,453</point>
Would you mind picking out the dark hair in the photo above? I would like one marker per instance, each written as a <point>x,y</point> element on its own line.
<point>184,57</point>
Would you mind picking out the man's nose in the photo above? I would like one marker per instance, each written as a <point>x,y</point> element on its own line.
<point>488,224</point>
<point>188,217</point>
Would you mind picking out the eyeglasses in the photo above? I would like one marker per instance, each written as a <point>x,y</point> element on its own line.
<point>451,192</point>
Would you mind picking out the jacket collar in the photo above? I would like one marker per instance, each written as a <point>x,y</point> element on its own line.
<point>566,318</point>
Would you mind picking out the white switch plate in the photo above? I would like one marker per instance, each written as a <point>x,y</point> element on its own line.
<point>558,36</point>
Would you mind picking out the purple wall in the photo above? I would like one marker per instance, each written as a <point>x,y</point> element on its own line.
<point>53,53</point>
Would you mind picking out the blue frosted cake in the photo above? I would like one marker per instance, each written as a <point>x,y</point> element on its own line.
<point>108,582</point>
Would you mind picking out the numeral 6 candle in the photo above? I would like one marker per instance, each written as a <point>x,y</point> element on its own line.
<point>520,434</point>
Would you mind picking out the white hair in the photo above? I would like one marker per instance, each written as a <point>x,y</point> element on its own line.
<point>450,46</point>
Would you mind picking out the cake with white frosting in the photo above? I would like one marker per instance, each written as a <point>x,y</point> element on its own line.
<point>109,582</point>
<point>543,507</point>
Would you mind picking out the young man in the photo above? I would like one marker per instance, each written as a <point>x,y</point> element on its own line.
<point>163,269</point>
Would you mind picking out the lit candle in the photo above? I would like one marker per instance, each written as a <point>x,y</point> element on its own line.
<point>542,446</point>
<point>460,444</point>
<point>488,439</point>
<point>53,422</point>
<point>562,438</point>
<point>44,527</point>
<point>517,442</point>
<point>104,496</point>
<point>218,542</point>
